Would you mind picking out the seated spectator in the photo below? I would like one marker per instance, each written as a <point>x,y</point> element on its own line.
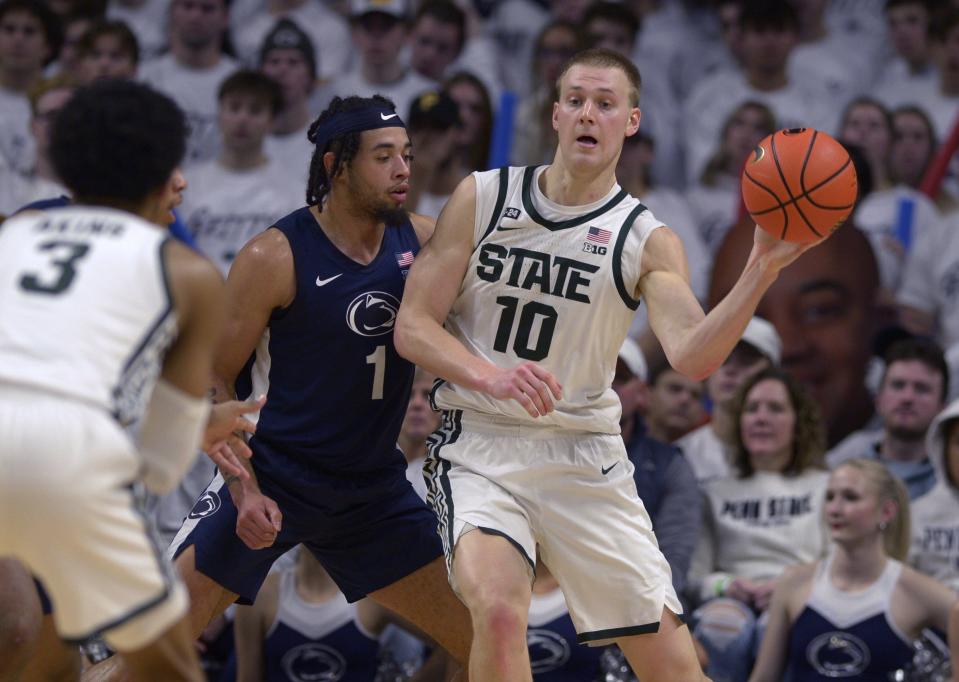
<point>243,191</point>
<point>437,36</point>
<point>893,214</point>
<point>379,30</point>
<point>287,56</point>
<point>109,49</point>
<point>912,391</point>
<point>717,196</point>
<point>476,124</point>
<point>912,68</point>
<point>326,29</point>
<point>193,69</point>
<point>710,448</point>
<point>769,34</point>
<point>40,181</point>
<point>664,479</point>
<point>675,404</point>
<point>420,421</point>
<point>31,39</point>
<point>635,172</point>
<point>855,613</point>
<point>766,518</point>
<point>433,125</point>
<point>534,140</point>
<point>935,516</point>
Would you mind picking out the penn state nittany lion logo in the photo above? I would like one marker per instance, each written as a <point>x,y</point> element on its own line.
<point>313,663</point>
<point>372,313</point>
<point>547,650</point>
<point>207,505</point>
<point>838,654</point>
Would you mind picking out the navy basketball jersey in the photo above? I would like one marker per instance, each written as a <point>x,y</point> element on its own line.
<point>842,635</point>
<point>551,639</point>
<point>336,388</point>
<point>317,641</point>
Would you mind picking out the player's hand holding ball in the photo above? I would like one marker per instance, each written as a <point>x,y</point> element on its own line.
<point>799,186</point>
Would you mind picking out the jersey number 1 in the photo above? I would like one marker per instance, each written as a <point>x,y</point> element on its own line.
<point>63,257</point>
<point>378,359</point>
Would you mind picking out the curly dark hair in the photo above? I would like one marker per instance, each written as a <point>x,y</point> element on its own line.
<point>809,432</point>
<point>117,140</point>
<point>344,147</point>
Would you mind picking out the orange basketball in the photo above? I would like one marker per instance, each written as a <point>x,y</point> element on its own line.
<point>799,185</point>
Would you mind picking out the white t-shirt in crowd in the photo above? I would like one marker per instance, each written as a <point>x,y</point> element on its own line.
<point>224,208</point>
<point>195,90</point>
<point>16,142</point>
<point>328,31</point>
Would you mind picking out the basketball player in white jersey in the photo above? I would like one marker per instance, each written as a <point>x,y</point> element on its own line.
<point>104,321</point>
<point>536,274</point>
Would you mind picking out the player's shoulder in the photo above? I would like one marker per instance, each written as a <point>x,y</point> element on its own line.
<point>187,267</point>
<point>423,225</point>
<point>270,248</point>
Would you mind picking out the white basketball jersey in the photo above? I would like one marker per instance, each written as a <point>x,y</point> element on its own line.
<point>85,310</point>
<point>552,284</point>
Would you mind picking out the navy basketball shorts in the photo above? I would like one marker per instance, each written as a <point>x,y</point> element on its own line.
<point>367,531</point>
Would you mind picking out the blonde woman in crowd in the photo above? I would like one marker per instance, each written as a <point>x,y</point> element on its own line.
<point>856,613</point>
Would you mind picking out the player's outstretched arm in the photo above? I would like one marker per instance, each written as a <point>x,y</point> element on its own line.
<point>176,416</point>
<point>696,344</point>
<point>432,287</point>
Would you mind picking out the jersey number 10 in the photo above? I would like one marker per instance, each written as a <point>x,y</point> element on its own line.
<point>528,315</point>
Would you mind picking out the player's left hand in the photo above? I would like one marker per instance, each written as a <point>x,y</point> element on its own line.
<point>226,419</point>
<point>775,253</point>
<point>223,440</point>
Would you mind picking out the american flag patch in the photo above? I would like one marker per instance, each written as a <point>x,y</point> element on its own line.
<point>598,235</point>
<point>405,259</point>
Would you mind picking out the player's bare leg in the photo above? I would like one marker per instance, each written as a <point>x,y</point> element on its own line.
<point>425,599</point>
<point>664,656</point>
<point>54,659</point>
<point>171,657</point>
<point>207,601</point>
<point>494,581</point>
<point>20,616</point>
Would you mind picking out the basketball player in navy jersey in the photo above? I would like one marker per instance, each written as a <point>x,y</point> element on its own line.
<point>313,301</point>
<point>520,302</point>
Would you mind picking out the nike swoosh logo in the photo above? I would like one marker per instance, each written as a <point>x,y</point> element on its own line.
<point>606,470</point>
<point>505,229</point>
<point>387,118</point>
<point>324,282</point>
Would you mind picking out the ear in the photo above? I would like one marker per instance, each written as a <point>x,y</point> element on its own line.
<point>328,160</point>
<point>556,116</point>
<point>888,511</point>
<point>632,123</point>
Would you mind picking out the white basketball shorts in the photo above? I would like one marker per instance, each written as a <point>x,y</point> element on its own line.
<point>574,497</point>
<point>68,513</point>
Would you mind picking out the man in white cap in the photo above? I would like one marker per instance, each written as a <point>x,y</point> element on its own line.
<point>379,30</point>
<point>709,447</point>
<point>664,479</point>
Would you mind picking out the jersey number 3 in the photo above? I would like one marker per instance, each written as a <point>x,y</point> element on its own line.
<point>63,259</point>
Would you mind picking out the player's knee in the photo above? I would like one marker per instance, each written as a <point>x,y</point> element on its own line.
<point>501,618</point>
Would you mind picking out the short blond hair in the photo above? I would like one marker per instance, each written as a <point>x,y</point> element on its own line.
<point>603,58</point>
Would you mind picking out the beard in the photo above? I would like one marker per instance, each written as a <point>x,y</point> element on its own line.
<point>906,434</point>
<point>391,215</point>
